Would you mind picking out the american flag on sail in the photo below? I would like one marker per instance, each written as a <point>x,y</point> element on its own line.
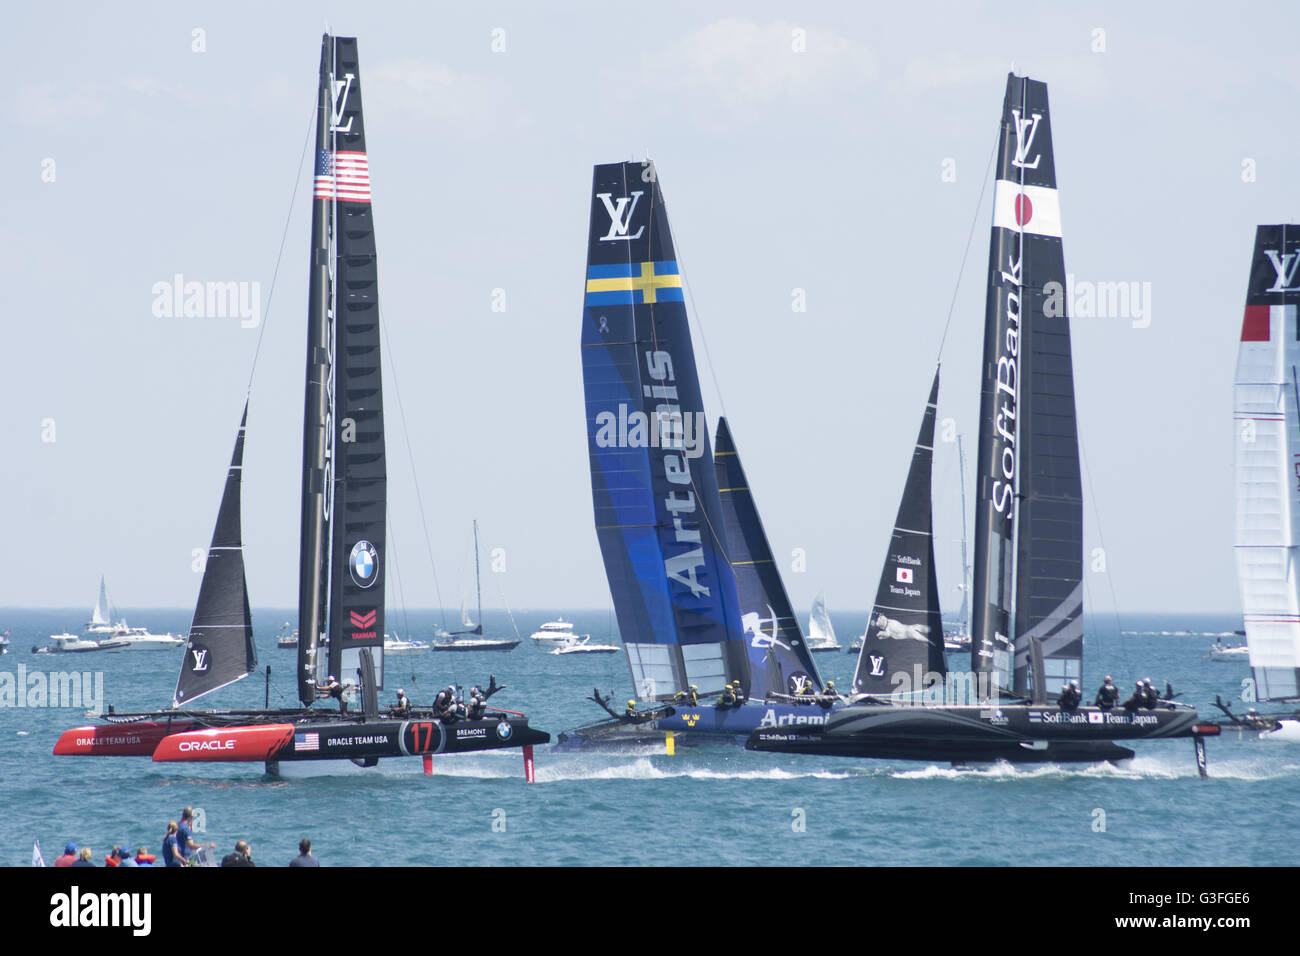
<point>342,175</point>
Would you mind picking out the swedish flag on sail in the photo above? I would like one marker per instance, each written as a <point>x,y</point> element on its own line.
<point>634,283</point>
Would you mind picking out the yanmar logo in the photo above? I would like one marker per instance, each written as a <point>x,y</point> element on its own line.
<point>188,746</point>
<point>362,623</point>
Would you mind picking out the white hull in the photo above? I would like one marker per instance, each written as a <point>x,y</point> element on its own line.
<point>553,634</point>
<point>154,642</point>
<point>1288,731</point>
<point>405,648</point>
<point>1229,654</point>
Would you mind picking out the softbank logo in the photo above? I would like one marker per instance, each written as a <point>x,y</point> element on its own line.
<point>76,909</point>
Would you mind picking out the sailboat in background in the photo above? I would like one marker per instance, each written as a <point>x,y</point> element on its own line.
<point>1028,532</point>
<point>342,553</point>
<point>1267,412</point>
<point>956,634</point>
<point>472,639</point>
<point>821,633</point>
<point>102,633</point>
<point>699,600</point>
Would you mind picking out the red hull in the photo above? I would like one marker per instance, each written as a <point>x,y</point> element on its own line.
<point>119,740</point>
<point>255,743</point>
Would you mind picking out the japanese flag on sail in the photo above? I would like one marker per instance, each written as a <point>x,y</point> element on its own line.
<point>904,575</point>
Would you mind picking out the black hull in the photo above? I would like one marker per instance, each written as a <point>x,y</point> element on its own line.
<point>1017,733</point>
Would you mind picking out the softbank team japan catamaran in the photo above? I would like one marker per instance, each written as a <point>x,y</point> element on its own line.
<point>699,600</point>
<point>1268,483</point>
<point>342,557</point>
<point>1028,532</point>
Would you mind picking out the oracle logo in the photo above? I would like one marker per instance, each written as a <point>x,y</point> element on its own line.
<point>185,746</point>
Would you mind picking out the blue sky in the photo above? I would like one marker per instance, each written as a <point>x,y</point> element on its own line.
<point>850,169</point>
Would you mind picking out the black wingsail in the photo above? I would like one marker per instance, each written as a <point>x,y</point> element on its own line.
<point>1028,446</point>
<point>1049,543</point>
<point>220,649</point>
<point>902,653</point>
<point>779,660</point>
<point>360,495</point>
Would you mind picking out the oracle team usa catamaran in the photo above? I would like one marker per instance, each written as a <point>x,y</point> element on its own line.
<point>343,553</point>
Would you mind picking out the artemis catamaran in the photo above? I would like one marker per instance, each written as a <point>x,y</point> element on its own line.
<point>342,559</point>
<point>1027,633</point>
<point>700,603</point>
<point>1267,398</point>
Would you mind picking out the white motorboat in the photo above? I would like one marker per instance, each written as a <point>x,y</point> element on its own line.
<point>393,644</point>
<point>581,644</point>
<point>139,639</point>
<point>553,633</point>
<point>76,644</point>
<point>1229,652</point>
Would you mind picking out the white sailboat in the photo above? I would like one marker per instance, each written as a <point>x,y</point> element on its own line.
<point>821,633</point>
<point>472,639</point>
<point>1267,421</point>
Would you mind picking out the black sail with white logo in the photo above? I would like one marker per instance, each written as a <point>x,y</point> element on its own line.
<point>1028,461</point>
<point>779,660</point>
<point>220,649</point>
<point>1049,544</point>
<point>902,651</point>
<point>357,549</point>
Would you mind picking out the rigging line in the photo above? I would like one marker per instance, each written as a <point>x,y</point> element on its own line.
<point>1096,510</point>
<point>984,185</point>
<point>293,199</point>
<point>397,575</point>
<point>410,454</point>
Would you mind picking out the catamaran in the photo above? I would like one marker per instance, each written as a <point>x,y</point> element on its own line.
<point>342,553</point>
<point>1267,396</point>
<point>1027,632</point>
<point>700,603</point>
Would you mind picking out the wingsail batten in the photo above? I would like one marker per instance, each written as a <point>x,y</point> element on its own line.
<point>902,651</point>
<point>658,517</point>
<point>220,649</point>
<point>1267,422</point>
<point>779,659</point>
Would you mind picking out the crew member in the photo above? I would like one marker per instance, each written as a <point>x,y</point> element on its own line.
<point>403,705</point>
<point>1069,697</point>
<point>477,703</point>
<point>1150,695</point>
<point>630,710</point>
<point>828,696</point>
<point>442,703</point>
<point>728,698</point>
<point>1138,698</point>
<point>1107,695</point>
<point>333,689</point>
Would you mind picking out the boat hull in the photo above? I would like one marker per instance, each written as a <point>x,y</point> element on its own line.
<point>1016,732</point>
<point>272,736</point>
<point>467,647</point>
<point>704,724</point>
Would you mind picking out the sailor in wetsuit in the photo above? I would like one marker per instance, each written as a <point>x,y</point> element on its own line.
<point>630,710</point>
<point>403,705</point>
<point>1138,698</point>
<point>1107,695</point>
<point>442,703</point>
<point>333,689</point>
<point>690,696</point>
<point>1150,696</point>
<point>477,704</point>
<point>1069,697</point>
<point>828,696</point>
<point>728,698</point>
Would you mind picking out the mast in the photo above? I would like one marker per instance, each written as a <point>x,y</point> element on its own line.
<point>478,582</point>
<point>964,613</point>
<point>1027,461</point>
<point>902,650</point>
<point>1267,399</point>
<point>779,659</point>
<point>317,433</point>
<point>654,491</point>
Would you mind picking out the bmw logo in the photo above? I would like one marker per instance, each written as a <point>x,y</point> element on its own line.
<point>363,562</point>
<point>504,730</point>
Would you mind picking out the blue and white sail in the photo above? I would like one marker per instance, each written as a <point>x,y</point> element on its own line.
<point>1266,399</point>
<point>658,515</point>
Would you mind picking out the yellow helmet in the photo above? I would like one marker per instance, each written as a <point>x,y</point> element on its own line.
<point>631,703</point>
